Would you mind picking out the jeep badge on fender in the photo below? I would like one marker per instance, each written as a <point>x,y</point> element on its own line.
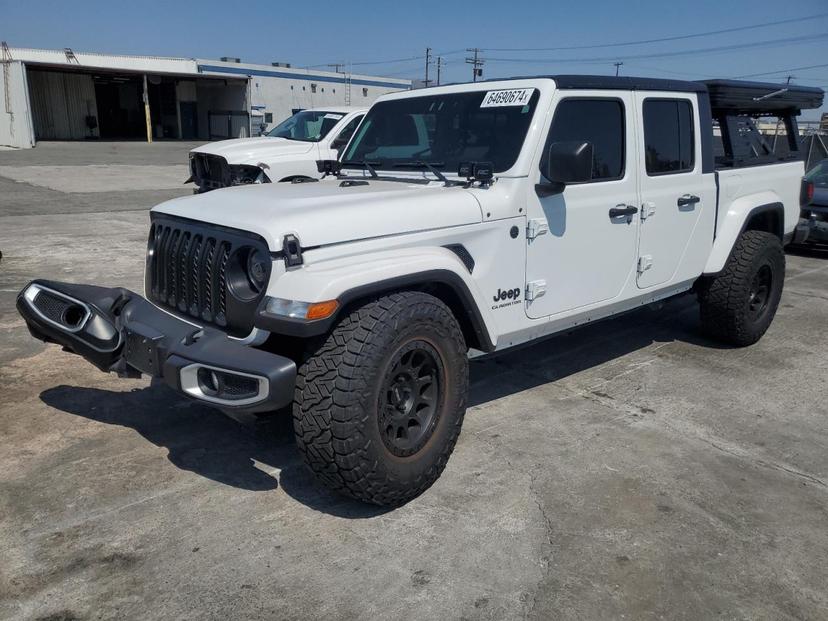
<point>509,294</point>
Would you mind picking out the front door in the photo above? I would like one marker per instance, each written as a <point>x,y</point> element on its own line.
<point>589,252</point>
<point>677,200</point>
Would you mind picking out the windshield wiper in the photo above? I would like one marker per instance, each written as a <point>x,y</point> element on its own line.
<point>431,166</point>
<point>367,165</point>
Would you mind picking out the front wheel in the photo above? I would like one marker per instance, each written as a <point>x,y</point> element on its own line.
<point>738,304</point>
<point>379,404</point>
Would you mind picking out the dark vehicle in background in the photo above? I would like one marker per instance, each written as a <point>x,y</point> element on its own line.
<point>815,213</point>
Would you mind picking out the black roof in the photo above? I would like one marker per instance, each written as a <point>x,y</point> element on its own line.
<point>728,95</point>
<point>625,83</point>
<point>612,82</point>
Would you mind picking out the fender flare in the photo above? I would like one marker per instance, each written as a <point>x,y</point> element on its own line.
<point>727,236</point>
<point>465,305</point>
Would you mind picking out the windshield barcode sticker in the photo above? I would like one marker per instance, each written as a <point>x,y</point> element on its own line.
<point>514,97</point>
<point>333,116</point>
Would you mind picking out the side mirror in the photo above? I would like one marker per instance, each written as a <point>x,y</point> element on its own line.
<point>339,143</point>
<point>566,162</point>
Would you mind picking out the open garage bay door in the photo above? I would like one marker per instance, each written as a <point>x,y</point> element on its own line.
<point>61,104</point>
<point>82,105</point>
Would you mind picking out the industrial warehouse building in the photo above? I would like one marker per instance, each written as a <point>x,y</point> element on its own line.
<point>63,95</point>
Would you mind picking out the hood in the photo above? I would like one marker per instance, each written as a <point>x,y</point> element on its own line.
<point>254,150</point>
<point>324,213</point>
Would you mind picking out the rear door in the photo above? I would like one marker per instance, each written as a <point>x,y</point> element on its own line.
<point>676,198</point>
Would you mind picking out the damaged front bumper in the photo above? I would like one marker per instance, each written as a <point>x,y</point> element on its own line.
<point>120,331</point>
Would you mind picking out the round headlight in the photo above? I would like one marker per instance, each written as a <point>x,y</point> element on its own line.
<point>258,264</point>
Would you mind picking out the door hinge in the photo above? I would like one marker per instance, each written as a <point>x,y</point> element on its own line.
<point>644,263</point>
<point>535,289</point>
<point>647,210</point>
<point>535,227</point>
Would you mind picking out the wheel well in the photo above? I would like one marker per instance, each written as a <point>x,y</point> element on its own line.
<point>441,283</point>
<point>769,218</point>
<point>450,298</point>
<point>471,324</point>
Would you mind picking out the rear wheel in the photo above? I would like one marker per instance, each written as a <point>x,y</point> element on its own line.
<point>379,404</point>
<point>738,304</point>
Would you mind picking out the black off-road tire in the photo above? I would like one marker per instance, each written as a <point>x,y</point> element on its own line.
<point>731,310</point>
<point>344,387</point>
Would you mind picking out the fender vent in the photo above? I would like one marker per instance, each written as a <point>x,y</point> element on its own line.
<point>463,255</point>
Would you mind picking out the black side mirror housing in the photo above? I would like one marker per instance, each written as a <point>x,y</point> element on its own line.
<point>566,162</point>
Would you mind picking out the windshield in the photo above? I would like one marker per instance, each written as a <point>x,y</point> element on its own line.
<point>445,130</point>
<point>819,175</point>
<point>307,125</point>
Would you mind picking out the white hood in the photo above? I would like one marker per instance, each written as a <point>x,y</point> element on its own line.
<point>325,213</point>
<point>255,150</point>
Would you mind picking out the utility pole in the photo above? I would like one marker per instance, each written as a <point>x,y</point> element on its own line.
<point>426,82</point>
<point>617,67</point>
<point>439,67</point>
<point>476,62</point>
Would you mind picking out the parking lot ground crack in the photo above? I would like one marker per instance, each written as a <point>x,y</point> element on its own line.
<point>637,412</point>
<point>805,273</point>
<point>546,557</point>
<point>92,517</point>
<point>807,295</point>
<point>762,463</point>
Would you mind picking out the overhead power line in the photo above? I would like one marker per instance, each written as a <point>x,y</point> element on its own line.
<point>710,50</point>
<point>393,61</point>
<point>755,75</point>
<point>660,40</point>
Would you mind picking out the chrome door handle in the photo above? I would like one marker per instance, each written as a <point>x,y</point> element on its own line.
<point>687,199</point>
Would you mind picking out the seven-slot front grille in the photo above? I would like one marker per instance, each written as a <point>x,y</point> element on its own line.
<point>188,271</point>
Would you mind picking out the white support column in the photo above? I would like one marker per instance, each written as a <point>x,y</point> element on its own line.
<point>147,110</point>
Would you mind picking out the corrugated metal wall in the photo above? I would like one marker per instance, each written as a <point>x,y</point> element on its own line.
<point>60,103</point>
<point>15,128</point>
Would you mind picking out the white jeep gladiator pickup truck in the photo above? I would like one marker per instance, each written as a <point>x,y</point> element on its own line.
<point>460,220</point>
<point>288,151</point>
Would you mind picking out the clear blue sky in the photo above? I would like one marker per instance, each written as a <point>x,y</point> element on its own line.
<point>316,33</point>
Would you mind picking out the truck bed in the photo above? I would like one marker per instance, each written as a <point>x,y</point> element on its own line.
<point>771,183</point>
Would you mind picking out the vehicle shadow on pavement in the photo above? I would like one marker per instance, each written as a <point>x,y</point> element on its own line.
<point>204,441</point>
<point>559,356</point>
<point>811,251</point>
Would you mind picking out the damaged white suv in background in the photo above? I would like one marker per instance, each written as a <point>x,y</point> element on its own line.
<point>289,151</point>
